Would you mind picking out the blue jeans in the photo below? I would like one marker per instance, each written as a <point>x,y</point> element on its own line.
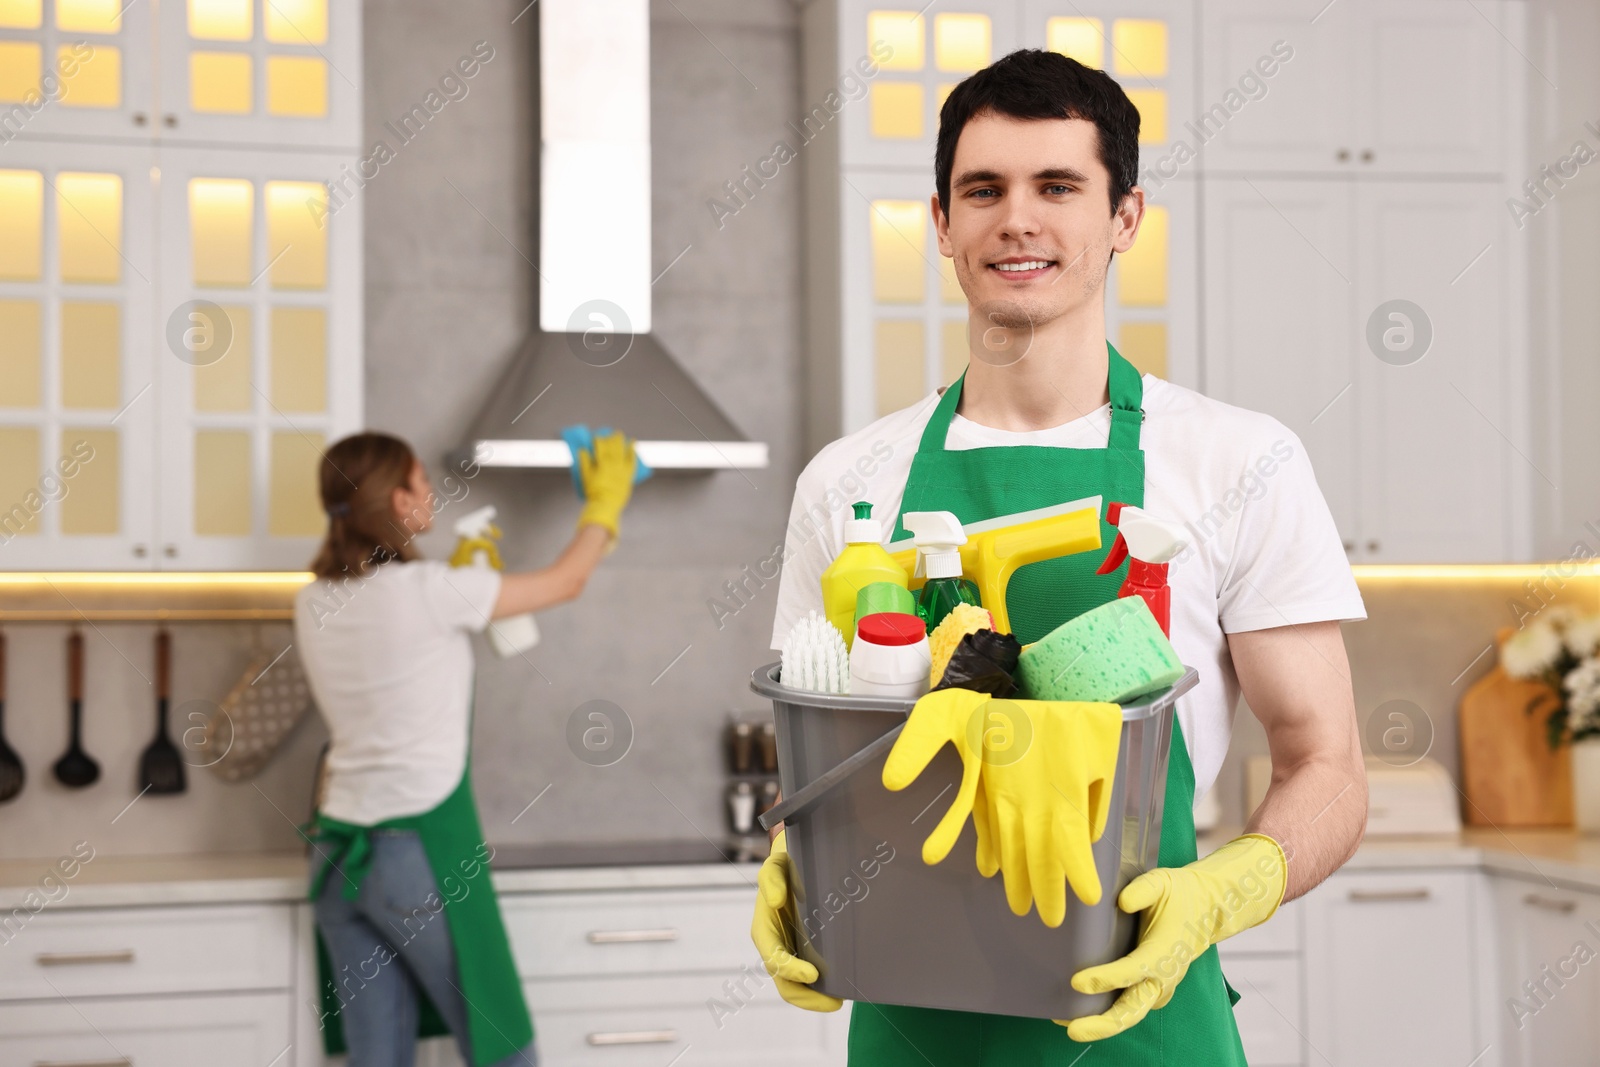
<point>386,944</point>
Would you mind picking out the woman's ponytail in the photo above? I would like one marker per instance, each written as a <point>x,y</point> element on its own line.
<point>357,480</point>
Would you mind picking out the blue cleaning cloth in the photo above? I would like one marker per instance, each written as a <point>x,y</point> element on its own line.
<point>580,439</point>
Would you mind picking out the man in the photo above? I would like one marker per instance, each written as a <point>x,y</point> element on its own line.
<point>1034,171</point>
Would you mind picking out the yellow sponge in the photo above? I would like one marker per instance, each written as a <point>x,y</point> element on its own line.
<point>962,620</point>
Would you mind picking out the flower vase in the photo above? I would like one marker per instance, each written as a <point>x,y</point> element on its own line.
<point>1586,785</point>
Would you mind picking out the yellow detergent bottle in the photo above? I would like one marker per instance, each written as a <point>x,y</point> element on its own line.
<point>862,562</point>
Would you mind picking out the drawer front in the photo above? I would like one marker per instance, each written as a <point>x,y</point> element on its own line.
<point>1281,933</point>
<point>250,1028</point>
<point>732,1019</point>
<point>1269,1011</point>
<point>572,934</point>
<point>136,951</point>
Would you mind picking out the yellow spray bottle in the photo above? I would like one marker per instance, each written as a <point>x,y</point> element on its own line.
<point>862,562</point>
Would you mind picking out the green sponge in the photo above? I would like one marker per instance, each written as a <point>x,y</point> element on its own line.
<point>1113,653</point>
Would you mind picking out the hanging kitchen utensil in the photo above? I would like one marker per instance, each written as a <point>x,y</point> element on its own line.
<point>258,714</point>
<point>12,774</point>
<point>75,769</point>
<point>161,766</point>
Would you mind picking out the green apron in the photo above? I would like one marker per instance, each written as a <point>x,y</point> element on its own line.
<point>498,1022</point>
<point>1197,1025</point>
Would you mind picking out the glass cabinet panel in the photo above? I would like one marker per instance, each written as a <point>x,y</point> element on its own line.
<point>19,477</point>
<point>21,225</point>
<point>900,374</point>
<point>89,225</point>
<point>225,383</point>
<point>220,217</point>
<point>94,506</point>
<point>294,508</point>
<point>899,232</point>
<point>91,354</point>
<point>222,483</point>
<point>299,340</point>
<point>220,20</point>
<point>21,354</point>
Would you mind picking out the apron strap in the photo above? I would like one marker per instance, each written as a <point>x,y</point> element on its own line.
<point>350,847</point>
<point>1127,407</point>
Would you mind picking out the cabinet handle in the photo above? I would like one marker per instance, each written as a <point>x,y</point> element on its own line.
<point>1343,155</point>
<point>1366,155</point>
<point>140,551</point>
<point>170,121</point>
<point>1565,907</point>
<point>140,118</point>
<point>1349,545</point>
<point>628,937</point>
<point>1369,896</point>
<point>634,1037</point>
<point>170,551</point>
<point>119,1062</point>
<point>57,959</point>
<point>1372,546</point>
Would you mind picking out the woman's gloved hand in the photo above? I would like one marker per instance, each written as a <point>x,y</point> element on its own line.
<point>952,716</point>
<point>607,476</point>
<point>771,930</point>
<point>1186,911</point>
<point>1046,789</point>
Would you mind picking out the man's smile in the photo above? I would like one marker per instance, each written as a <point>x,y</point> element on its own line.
<point>1022,268</point>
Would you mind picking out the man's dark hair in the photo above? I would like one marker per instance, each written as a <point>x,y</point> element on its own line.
<point>1033,84</point>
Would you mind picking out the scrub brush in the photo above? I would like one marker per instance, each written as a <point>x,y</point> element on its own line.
<point>962,620</point>
<point>814,657</point>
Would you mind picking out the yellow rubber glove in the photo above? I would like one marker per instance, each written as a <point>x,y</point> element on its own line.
<point>607,475</point>
<point>951,716</point>
<point>770,930</point>
<point>1186,911</point>
<point>1046,790</point>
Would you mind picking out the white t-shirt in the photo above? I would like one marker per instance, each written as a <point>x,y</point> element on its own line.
<point>390,665</point>
<point>1264,550</point>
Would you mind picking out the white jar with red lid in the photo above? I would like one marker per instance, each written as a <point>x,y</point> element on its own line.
<point>890,656</point>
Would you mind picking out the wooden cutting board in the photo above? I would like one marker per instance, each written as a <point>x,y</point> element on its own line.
<point>1508,773</point>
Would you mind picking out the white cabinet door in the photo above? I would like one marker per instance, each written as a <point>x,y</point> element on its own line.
<point>1299,118</point>
<point>261,361</point>
<point>1549,1009</point>
<point>77,411</point>
<point>1270,1009</point>
<point>1417,107</point>
<point>196,1031</point>
<point>265,72</point>
<point>1439,431</point>
<point>1390,970</point>
<point>80,68</point>
<point>1279,284</point>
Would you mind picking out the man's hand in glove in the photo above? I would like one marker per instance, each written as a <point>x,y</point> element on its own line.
<point>1186,911</point>
<point>771,931</point>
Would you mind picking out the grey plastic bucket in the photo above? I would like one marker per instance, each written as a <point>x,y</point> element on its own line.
<point>883,927</point>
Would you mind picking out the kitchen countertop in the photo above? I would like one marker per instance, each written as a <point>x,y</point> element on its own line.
<point>281,877</point>
<point>1561,857</point>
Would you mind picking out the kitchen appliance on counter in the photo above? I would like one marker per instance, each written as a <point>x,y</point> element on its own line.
<point>1415,800</point>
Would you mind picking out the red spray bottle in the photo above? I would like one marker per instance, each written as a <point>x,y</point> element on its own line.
<point>1147,544</point>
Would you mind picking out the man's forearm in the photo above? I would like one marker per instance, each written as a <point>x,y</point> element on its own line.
<point>1317,811</point>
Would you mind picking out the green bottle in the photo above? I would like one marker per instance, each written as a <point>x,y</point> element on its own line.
<point>939,539</point>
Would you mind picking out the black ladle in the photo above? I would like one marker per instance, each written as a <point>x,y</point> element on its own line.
<point>12,774</point>
<point>76,770</point>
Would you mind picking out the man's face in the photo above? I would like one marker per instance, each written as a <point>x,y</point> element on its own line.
<point>1030,228</point>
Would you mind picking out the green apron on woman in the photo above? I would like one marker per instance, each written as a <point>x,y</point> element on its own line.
<point>1197,1025</point>
<point>497,1016</point>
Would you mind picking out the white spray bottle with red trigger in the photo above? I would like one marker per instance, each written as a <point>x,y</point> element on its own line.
<point>1148,544</point>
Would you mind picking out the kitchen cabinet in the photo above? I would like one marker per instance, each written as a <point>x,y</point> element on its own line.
<point>1416,454</point>
<point>280,73</point>
<point>1263,965</point>
<point>1373,87</point>
<point>1549,976</point>
<point>180,326</point>
<point>887,320</point>
<point>192,1031</point>
<point>1391,969</point>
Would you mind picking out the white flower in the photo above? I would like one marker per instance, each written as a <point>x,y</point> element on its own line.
<point>1582,635</point>
<point>1532,650</point>
<point>1583,685</point>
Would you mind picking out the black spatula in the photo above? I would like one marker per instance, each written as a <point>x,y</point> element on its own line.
<point>76,770</point>
<point>161,766</point>
<point>12,774</point>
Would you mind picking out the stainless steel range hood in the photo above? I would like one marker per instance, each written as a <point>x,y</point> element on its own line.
<point>593,359</point>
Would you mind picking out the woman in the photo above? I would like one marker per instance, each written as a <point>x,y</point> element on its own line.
<point>410,940</point>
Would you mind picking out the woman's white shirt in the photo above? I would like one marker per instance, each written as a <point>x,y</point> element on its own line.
<point>390,664</point>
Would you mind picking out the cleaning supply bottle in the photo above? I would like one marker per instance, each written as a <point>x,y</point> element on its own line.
<point>890,657</point>
<point>862,562</point>
<point>476,537</point>
<point>939,539</point>
<point>1147,543</point>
